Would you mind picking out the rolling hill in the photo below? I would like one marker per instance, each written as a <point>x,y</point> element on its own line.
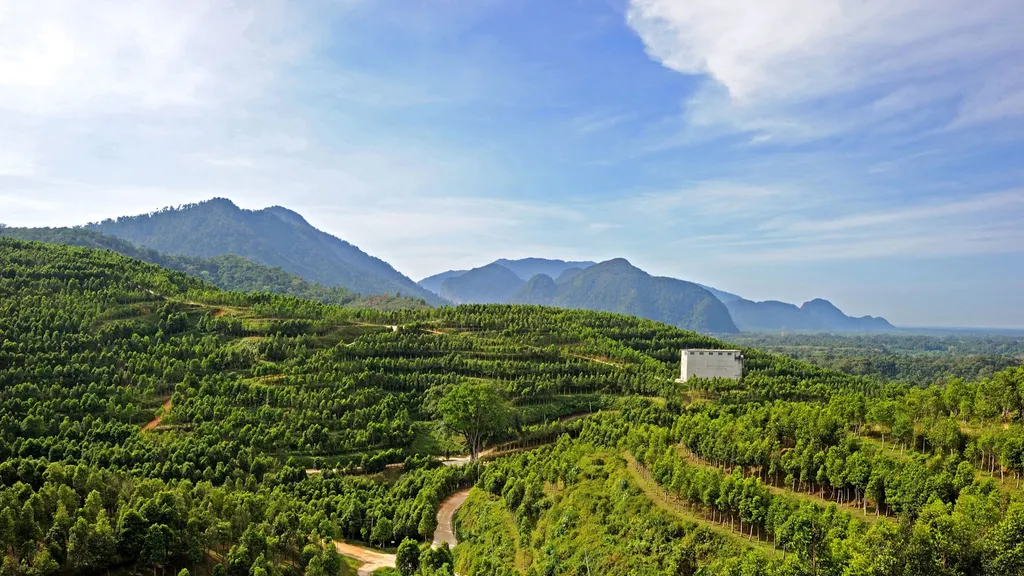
<point>151,420</point>
<point>274,236</point>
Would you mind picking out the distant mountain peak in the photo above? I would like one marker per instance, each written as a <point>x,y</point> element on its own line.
<point>617,263</point>
<point>819,303</point>
<point>216,202</point>
<point>274,236</point>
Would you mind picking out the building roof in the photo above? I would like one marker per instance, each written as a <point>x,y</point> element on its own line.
<point>710,350</point>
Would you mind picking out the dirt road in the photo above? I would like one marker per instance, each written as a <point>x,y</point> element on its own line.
<point>156,421</point>
<point>445,531</point>
<point>371,559</point>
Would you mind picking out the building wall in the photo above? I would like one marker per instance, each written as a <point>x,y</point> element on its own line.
<point>711,364</point>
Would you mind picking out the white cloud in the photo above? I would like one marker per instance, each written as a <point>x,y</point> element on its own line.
<point>806,68</point>
<point>64,56</point>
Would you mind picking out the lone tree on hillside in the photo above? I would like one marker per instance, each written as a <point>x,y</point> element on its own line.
<point>476,411</point>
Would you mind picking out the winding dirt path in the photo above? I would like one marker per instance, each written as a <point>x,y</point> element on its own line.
<point>375,559</point>
<point>371,559</point>
<point>445,531</point>
<point>160,416</point>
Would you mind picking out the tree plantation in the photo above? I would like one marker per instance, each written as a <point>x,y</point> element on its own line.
<point>151,423</point>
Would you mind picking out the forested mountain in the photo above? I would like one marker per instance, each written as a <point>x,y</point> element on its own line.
<point>229,272</point>
<point>817,315</point>
<point>273,236</point>
<point>540,289</point>
<point>492,283</point>
<point>149,420</point>
<point>618,286</point>
<point>488,284</point>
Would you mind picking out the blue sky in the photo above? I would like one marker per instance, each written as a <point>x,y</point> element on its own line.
<point>868,152</point>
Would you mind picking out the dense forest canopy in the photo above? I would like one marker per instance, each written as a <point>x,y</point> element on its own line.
<point>150,420</point>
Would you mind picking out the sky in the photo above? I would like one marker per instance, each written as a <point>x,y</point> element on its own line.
<point>870,152</point>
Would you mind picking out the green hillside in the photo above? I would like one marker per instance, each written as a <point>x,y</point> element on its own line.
<point>228,272</point>
<point>275,237</point>
<point>149,420</point>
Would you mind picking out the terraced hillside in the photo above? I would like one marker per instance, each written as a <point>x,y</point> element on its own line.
<point>150,420</point>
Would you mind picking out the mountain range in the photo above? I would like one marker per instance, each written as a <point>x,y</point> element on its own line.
<point>612,286</point>
<point>617,286</point>
<point>277,250</point>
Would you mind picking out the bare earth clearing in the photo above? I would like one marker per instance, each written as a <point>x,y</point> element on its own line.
<point>160,416</point>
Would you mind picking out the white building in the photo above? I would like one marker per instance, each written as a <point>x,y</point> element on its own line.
<point>707,363</point>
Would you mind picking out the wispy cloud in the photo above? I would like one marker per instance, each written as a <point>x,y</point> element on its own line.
<point>594,123</point>
<point>725,201</point>
<point>986,224</point>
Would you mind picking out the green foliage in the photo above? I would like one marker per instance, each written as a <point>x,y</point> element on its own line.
<point>476,411</point>
<point>407,559</point>
<point>281,408</point>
